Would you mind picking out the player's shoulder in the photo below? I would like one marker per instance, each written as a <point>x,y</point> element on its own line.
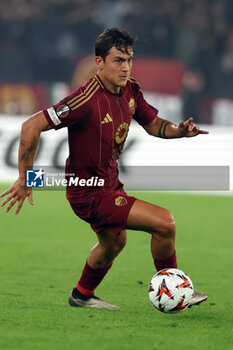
<point>89,88</point>
<point>133,81</point>
<point>84,94</point>
<point>133,84</point>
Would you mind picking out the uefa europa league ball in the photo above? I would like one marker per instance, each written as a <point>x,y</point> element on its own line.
<point>171,290</point>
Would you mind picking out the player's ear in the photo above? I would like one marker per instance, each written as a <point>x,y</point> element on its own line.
<point>100,62</point>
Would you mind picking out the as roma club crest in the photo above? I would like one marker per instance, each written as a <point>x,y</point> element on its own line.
<point>120,201</point>
<point>132,105</point>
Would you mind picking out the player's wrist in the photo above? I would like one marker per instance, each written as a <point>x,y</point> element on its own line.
<point>163,130</point>
<point>170,130</point>
<point>22,176</point>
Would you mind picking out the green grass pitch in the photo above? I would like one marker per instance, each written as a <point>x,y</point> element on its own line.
<point>42,253</point>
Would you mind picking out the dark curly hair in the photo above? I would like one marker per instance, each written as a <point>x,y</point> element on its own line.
<point>113,37</point>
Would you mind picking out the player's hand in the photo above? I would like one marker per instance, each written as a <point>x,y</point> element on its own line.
<point>190,129</point>
<point>17,193</point>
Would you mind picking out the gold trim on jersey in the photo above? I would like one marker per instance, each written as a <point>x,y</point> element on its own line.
<point>84,96</point>
<point>99,82</point>
<point>86,99</point>
<point>107,119</point>
<point>83,93</point>
<point>132,80</point>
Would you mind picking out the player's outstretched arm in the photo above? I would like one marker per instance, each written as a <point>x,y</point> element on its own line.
<point>29,138</point>
<point>163,128</point>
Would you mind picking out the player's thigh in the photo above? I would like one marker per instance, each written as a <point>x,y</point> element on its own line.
<point>151,218</point>
<point>111,241</point>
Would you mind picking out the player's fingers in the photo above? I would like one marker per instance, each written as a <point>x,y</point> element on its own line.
<point>188,121</point>
<point>30,199</point>
<point>12,203</point>
<point>19,206</point>
<point>5,192</point>
<point>203,132</point>
<point>194,128</point>
<point>7,200</point>
<point>184,127</point>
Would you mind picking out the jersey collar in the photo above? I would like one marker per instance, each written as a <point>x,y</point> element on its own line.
<point>97,78</point>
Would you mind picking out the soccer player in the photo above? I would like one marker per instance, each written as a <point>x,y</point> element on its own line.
<point>98,116</point>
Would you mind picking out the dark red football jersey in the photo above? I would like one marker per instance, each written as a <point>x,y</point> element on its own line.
<point>98,122</point>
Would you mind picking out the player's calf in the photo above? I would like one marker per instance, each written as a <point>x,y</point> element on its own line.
<point>106,250</point>
<point>110,253</point>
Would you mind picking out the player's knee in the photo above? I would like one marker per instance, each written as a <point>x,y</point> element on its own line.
<point>168,226</point>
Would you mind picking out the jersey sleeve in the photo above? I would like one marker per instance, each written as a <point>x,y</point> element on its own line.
<point>73,109</point>
<point>144,113</point>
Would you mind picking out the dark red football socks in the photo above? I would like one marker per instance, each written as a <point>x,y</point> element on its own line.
<point>169,262</point>
<point>90,279</point>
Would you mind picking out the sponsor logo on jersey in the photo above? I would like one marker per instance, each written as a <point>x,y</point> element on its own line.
<point>53,116</point>
<point>63,110</point>
<point>120,201</point>
<point>107,119</point>
<point>35,178</point>
<point>121,132</point>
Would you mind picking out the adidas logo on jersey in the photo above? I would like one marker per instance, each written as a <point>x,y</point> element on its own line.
<point>107,119</point>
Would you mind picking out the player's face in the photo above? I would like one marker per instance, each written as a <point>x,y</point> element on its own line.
<point>115,70</point>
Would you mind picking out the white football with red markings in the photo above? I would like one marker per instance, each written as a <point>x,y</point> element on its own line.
<point>171,290</point>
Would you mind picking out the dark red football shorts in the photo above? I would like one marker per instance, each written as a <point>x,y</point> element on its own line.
<point>103,210</point>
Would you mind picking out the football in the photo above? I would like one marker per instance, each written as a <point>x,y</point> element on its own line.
<point>171,290</point>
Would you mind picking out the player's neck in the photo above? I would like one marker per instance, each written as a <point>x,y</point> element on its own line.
<point>109,86</point>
